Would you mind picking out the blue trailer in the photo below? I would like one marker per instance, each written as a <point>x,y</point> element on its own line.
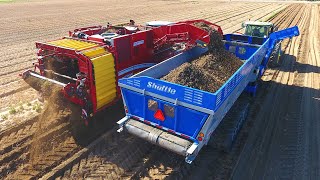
<point>182,119</point>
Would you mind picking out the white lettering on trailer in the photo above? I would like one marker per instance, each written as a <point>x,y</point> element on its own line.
<point>162,88</point>
<point>137,43</point>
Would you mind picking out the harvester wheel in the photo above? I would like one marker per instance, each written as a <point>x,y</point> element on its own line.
<point>79,128</point>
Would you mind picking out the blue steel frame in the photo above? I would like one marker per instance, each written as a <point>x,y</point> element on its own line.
<point>213,106</point>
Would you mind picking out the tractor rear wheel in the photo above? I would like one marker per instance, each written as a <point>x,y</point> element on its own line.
<point>275,56</point>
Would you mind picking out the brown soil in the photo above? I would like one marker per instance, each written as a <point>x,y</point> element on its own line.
<point>209,72</point>
<point>203,26</point>
<point>54,110</point>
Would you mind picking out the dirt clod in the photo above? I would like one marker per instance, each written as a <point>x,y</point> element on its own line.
<point>210,71</point>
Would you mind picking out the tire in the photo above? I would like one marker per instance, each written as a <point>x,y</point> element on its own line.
<point>275,56</point>
<point>80,131</point>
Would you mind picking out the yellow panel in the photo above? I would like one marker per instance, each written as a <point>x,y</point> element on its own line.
<point>103,63</point>
<point>94,52</point>
<point>73,44</point>
<point>105,79</point>
<point>89,49</point>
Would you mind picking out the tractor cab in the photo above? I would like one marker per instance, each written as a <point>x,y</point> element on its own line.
<point>258,29</point>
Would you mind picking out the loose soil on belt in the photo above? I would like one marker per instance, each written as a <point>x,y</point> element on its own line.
<point>210,71</point>
<point>203,26</point>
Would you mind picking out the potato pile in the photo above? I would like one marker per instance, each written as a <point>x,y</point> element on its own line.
<point>210,71</point>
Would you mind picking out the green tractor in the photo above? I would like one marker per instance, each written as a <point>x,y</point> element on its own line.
<point>263,30</point>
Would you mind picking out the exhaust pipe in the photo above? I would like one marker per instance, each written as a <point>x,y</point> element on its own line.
<point>158,137</point>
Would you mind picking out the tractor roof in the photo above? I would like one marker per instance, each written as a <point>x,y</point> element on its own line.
<point>258,23</point>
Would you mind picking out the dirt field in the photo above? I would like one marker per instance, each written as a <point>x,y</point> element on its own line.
<point>280,139</point>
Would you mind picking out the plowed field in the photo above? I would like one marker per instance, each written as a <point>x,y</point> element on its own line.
<point>279,140</point>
